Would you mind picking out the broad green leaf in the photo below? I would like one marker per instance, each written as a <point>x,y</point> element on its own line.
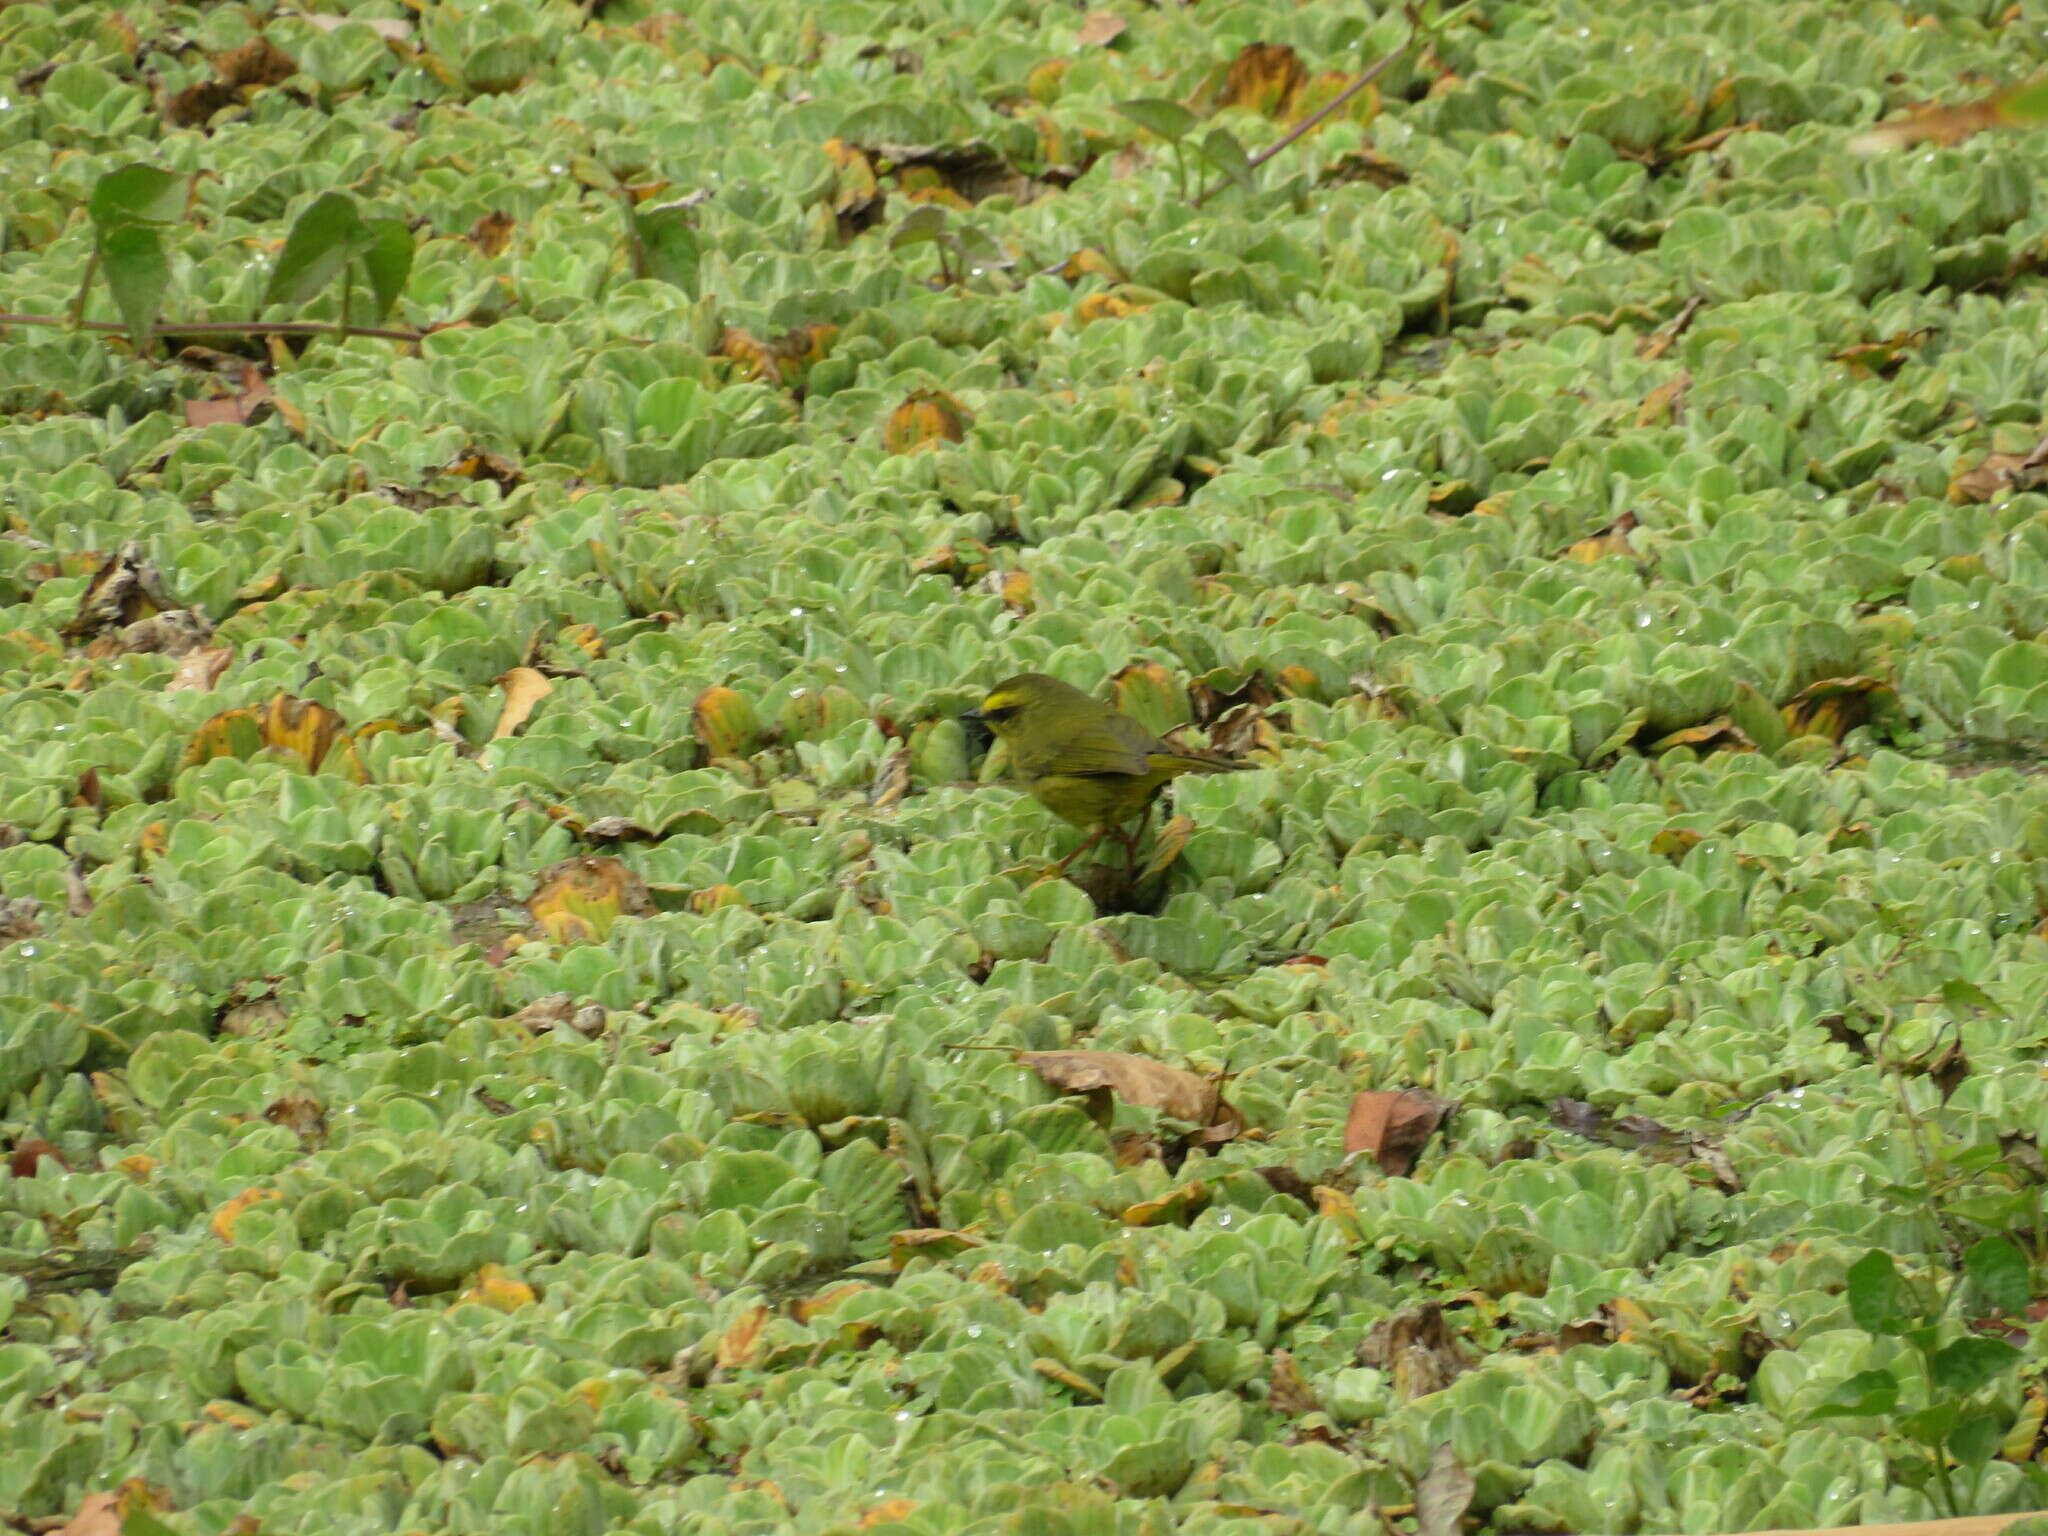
<point>1169,119</point>
<point>1969,1363</point>
<point>138,272</point>
<point>2026,103</point>
<point>1223,151</point>
<point>323,240</point>
<point>1976,1439</point>
<point>670,244</point>
<point>387,261</point>
<point>1998,1272</point>
<point>2006,1210</point>
<point>1874,1292</point>
<point>1931,1426</point>
<point>922,224</point>
<point>136,194</point>
<point>1866,1394</point>
<point>1960,997</point>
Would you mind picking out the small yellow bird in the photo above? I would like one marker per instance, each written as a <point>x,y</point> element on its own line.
<point>1083,761</point>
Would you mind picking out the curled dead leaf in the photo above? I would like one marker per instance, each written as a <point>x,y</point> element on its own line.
<point>1416,1348</point>
<point>125,589</point>
<point>1393,1125</point>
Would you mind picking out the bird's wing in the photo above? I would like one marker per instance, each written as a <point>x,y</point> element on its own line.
<point>1121,746</point>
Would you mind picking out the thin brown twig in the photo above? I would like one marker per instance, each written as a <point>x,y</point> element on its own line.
<point>1316,117</point>
<point>1305,125</point>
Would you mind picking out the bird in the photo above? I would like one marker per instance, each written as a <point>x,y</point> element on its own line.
<point>1083,760</point>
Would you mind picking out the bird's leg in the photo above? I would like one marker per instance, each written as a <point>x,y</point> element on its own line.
<point>1132,838</point>
<point>1086,843</point>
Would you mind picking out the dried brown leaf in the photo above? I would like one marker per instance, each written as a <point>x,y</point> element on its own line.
<point>200,670</point>
<point>1287,1392</point>
<point>1416,1348</point>
<point>524,688</point>
<point>1393,1125</point>
<point>1141,1081</point>
<point>492,232</point>
<point>235,409</point>
<point>390,31</point>
<point>1443,1495</point>
<point>578,900</point>
<point>256,62</point>
<point>1100,28</point>
<point>925,419</point>
<point>1264,77</point>
<point>124,589</point>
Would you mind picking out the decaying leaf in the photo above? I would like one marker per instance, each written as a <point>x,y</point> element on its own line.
<point>741,1341</point>
<point>1835,706</point>
<point>228,1215</point>
<point>1100,28</point>
<point>256,62</point>
<point>1393,1125</point>
<point>725,723</point>
<point>126,588</point>
<point>1287,1391</point>
<point>492,232</point>
<point>107,1514</point>
<point>304,729</point>
<point>925,419</point>
<point>892,781</point>
<point>1416,1349</point>
<point>30,1153</point>
<point>173,633</point>
<point>1167,846</point>
<point>391,31</point>
<point>1611,540</point>
<point>1264,77</point>
<point>2021,106</point>
<point>18,918</point>
<point>498,1288</point>
<point>929,1243</point>
<point>1141,1081</point>
<point>1175,1207</point>
<point>200,670</point>
<point>578,900</point>
<point>1443,1495</point>
<point>2001,474</point>
<point>235,409</point>
<point>524,688</point>
<point>305,1118</point>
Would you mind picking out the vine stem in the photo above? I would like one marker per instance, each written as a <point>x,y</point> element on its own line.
<point>224,327</point>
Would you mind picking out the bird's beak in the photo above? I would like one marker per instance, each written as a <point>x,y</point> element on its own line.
<point>975,717</point>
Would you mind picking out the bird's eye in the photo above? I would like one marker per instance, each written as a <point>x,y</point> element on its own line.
<point>1003,713</point>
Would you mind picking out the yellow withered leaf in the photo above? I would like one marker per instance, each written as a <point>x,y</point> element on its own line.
<point>224,1219</point>
<point>925,419</point>
<point>524,688</point>
<point>231,733</point>
<point>498,1288</point>
<point>741,1342</point>
<point>578,900</point>
<point>303,729</point>
<point>1264,77</point>
<point>725,723</point>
